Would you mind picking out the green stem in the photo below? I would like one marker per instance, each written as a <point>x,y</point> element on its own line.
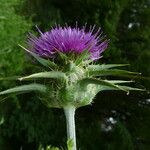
<point>70,121</point>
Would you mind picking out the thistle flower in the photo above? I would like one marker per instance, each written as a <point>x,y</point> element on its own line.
<point>68,40</point>
<point>75,83</point>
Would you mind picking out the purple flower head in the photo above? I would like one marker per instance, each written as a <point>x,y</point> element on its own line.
<point>68,40</point>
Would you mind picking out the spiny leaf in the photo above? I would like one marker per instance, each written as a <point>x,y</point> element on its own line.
<point>113,72</point>
<point>86,81</point>
<point>25,88</point>
<point>131,88</point>
<point>105,88</point>
<point>127,88</point>
<point>105,66</point>
<point>50,74</point>
<point>106,70</point>
<point>119,81</point>
<point>44,62</point>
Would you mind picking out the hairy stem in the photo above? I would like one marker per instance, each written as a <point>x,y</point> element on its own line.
<point>70,121</point>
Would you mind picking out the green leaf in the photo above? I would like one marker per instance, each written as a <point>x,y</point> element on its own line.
<point>50,74</point>
<point>119,81</point>
<point>44,62</point>
<point>105,66</point>
<point>113,72</point>
<point>127,88</point>
<point>84,82</point>
<point>131,88</point>
<point>108,84</point>
<point>25,88</point>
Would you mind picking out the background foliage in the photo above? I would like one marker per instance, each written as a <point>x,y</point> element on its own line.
<point>115,121</point>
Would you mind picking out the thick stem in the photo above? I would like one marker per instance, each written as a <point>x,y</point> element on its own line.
<point>70,120</point>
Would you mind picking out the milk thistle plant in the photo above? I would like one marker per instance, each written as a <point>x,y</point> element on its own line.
<point>71,77</point>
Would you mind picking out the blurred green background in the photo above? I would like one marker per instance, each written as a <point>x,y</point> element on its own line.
<point>115,121</point>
